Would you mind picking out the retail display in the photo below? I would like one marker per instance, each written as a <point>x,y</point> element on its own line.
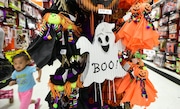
<point>167,54</point>
<point>100,45</point>
<point>16,16</point>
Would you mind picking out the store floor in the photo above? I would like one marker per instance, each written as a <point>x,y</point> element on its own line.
<point>168,91</point>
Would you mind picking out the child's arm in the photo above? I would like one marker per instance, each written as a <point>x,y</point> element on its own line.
<point>12,82</point>
<point>39,74</point>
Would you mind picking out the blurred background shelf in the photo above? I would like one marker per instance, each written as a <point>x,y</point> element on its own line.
<point>171,75</point>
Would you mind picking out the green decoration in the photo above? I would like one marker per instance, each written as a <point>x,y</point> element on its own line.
<point>54,19</point>
<point>177,70</point>
<point>143,56</point>
<point>144,68</point>
<point>73,85</point>
<point>55,105</point>
<point>60,88</point>
<point>120,59</point>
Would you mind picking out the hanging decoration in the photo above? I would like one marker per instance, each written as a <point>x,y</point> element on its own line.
<point>144,36</point>
<point>52,27</point>
<point>103,62</point>
<point>56,40</point>
<point>116,71</point>
<point>93,6</point>
<point>140,91</point>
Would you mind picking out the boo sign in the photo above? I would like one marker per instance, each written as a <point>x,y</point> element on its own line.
<point>102,61</point>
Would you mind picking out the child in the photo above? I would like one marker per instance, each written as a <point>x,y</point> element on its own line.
<point>23,76</point>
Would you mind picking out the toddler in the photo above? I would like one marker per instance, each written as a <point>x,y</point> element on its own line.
<point>23,76</point>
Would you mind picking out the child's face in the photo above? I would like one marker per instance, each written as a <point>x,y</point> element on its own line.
<point>20,63</point>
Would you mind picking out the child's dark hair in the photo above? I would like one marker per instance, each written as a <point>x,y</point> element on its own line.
<point>22,54</point>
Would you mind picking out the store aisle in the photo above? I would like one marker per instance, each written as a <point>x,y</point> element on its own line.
<point>168,92</point>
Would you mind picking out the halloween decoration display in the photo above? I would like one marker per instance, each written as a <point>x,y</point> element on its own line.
<point>56,40</point>
<point>140,91</point>
<point>99,72</point>
<point>51,32</point>
<point>104,59</point>
<point>135,84</point>
<point>144,36</point>
<point>102,62</point>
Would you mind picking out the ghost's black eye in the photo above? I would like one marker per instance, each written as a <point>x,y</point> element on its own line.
<point>99,39</point>
<point>107,38</point>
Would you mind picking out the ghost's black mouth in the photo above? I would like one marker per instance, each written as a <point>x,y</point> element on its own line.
<point>105,48</point>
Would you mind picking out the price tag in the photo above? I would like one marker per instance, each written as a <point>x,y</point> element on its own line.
<point>105,11</point>
<point>63,51</point>
<point>126,66</point>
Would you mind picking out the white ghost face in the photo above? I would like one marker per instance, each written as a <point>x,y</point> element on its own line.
<point>103,37</point>
<point>104,42</point>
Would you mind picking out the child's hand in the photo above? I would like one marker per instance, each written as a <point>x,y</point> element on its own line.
<point>39,74</point>
<point>38,79</point>
<point>12,83</point>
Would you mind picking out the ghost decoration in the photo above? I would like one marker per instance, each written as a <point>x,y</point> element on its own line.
<point>102,61</point>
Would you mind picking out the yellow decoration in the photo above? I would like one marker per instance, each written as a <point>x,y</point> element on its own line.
<point>9,55</point>
<point>49,37</point>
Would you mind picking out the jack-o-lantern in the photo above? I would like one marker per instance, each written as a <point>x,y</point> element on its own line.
<point>135,8</point>
<point>141,73</point>
<point>147,7</point>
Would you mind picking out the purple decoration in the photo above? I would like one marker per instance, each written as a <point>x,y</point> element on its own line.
<point>70,75</point>
<point>148,27</point>
<point>47,34</point>
<point>58,77</point>
<point>45,38</point>
<point>105,107</point>
<point>72,42</point>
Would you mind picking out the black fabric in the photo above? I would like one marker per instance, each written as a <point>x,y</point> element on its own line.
<point>41,50</point>
<point>104,2</point>
<point>6,69</point>
<point>51,102</point>
<point>2,85</point>
<point>52,9</point>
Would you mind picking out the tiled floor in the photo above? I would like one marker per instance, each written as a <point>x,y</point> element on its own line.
<point>168,92</point>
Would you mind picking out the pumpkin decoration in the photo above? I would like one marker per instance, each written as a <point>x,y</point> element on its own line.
<point>135,8</point>
<point>142,73</point>
<point>140,91</point>
<point>147,7</point>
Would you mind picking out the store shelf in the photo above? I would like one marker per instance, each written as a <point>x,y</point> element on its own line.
<point>173,76</point>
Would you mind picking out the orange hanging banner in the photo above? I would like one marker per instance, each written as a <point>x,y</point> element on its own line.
<point>39,3</point>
